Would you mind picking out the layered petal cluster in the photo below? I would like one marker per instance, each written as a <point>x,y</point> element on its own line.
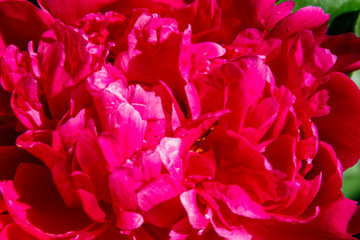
<point>202,119</point>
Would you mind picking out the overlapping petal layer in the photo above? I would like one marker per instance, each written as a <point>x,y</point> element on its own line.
<point>203,119</point>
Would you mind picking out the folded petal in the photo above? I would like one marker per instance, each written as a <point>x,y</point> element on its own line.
<point>35,204</point>
<point>70,11</point>
<point>340,127</point>
<point>347,50</point>
<point>24,23</point>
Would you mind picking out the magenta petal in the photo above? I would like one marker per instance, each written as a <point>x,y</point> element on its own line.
<point>340,127</point>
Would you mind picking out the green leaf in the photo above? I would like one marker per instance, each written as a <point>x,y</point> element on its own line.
<point>351,182</point>
<point>357,26</point>
<point>355,76</point>
<point>334,7</point>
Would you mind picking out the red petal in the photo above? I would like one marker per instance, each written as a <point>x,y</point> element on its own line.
<point>69,11</point>
<point>22,22</point>
<point>347,49</point>
<point>341,127</point>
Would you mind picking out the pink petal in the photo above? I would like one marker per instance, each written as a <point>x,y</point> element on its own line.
<point>112,150</point>
<point>150,108</point>
<point>301,203</point>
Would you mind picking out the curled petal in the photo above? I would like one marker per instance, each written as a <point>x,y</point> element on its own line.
<point>340,127</point>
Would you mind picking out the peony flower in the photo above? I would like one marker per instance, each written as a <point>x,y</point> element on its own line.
<point>202,119</point>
